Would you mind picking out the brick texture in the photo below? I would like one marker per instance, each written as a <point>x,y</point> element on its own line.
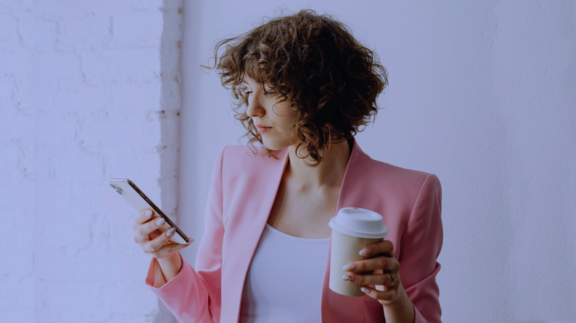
<point>88,90</point>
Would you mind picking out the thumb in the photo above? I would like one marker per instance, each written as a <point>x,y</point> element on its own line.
<point>184,245</point>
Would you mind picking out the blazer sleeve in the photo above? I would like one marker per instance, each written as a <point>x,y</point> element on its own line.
<point>194,295</point>
<point>420,247</point>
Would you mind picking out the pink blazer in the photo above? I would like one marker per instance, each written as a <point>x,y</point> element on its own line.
<point>241,195</point>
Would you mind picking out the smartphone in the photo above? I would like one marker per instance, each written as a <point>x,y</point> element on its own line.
<point>139,201</point>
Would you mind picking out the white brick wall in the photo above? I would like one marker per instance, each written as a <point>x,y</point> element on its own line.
<point>88,90</point>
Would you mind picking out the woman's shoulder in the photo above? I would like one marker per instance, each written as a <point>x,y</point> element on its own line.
<point>246,158</point>
<point>247,151</point>
<point>394,175</point>
<point>249,154</point>
<point>403,186</point>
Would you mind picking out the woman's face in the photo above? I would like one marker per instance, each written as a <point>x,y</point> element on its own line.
<point>264,110</point>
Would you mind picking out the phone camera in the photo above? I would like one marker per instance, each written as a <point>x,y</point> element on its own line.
<point>118,189</point>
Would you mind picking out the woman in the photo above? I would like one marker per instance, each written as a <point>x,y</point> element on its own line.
<point>307,85</point>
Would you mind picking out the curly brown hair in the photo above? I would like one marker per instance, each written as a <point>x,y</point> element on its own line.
<point>333,80</point>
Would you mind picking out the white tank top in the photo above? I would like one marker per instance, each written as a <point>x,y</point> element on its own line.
<point>284,281</point>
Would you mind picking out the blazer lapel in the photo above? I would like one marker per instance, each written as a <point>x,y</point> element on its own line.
<point>335,307</point>
<point>263,188</point>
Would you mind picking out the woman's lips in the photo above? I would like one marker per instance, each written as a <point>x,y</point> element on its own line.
<point>262,129</point>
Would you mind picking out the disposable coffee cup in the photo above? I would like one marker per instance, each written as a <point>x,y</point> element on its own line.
<point>353,228</point>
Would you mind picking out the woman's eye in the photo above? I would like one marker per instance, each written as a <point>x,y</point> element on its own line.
<point>266,93</point>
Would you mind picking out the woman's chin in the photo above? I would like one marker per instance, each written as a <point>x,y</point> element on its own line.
<point>272,144</point>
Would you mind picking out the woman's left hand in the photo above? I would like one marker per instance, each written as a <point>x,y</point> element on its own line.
<point>381,270</point>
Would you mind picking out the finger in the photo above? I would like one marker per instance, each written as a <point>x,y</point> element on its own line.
<point>167,247</point>
<point>144,230</point>
<point>382,247</point>
<point>384,297</point>
<point>142,217</point>
<point>158,242</point>
<point>170,248</point>
<point>379,279</point>
<point>387,264</point>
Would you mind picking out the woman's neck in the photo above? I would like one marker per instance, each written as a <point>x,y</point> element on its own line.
<point>328,174</point>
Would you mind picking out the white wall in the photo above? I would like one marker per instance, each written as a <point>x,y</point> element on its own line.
<point>483,94</point>
<point>88,91</point>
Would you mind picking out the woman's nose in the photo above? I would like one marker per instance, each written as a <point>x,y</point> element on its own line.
<point>255,108</point>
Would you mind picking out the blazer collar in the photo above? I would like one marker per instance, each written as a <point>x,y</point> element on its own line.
<point>283,155</point>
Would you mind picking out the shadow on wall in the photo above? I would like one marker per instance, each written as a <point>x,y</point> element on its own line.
<point>171,99</point>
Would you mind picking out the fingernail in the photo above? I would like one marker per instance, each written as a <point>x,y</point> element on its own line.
<point>365,252</point>
<point>171,231</point>
<point>349,267</point>
<point>365,290</point>
<point>148,213</point>
<point>159,221</point>
<point>349,278</point>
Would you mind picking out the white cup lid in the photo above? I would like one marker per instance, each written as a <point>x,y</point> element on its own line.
<point>358,222</point>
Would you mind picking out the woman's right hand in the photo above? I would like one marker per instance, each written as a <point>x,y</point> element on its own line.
<point>152,241</point>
